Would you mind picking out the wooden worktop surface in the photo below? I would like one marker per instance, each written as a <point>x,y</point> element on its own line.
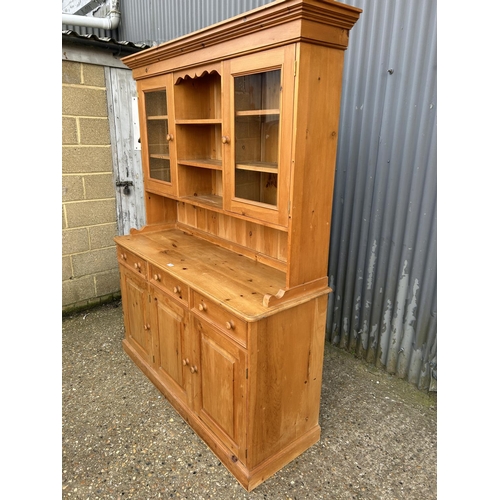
<point>232,280</point>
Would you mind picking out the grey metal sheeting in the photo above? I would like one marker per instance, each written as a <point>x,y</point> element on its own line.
<point>157,21</point>
<point>383,247</point>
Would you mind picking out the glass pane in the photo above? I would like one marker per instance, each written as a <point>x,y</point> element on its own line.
<point>256,186</point>
<point>157,130</point>
<point>156,103</point>
<point>257,139</point>
<point>157,137</point>
<point>257,131</point>
<point>258,91</point>
<point>159,168</point>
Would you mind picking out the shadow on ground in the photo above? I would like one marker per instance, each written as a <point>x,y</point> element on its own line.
<point>122,439</point>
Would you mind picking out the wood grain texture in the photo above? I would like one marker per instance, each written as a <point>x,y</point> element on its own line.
<point>170,325</point>
<point>286,359</point>
<point>225,289</point>
<point>275,24</point>
<point>315,146</point>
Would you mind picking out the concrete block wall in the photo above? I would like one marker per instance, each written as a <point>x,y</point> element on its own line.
<point>89,266</point>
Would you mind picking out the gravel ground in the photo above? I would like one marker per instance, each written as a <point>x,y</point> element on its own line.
<point>121,439</point>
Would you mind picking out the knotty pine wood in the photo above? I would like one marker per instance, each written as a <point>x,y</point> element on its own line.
<point>279,376</point>
<point>276,58</point>
<point>286,360</point>
<point>315,147</point>
<point>283,22</point>
<point>135,306</point>
<point>220,378</point>
<point>198,96</point>
<point>233,299</point>
<point>256,240</point>
<point>159,209</point>
<point>158,83</point>
<point>233,280</point>
<point>171,334</point>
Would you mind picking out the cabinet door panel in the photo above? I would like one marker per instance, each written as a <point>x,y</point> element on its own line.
<point>157,134</point>
<point>258,122</point>
<point>170,327</point>
<point>138,330</point>
<point>218,368</point>
<point>222,387</point>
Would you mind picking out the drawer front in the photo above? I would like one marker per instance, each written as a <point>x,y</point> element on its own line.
<point>169,284</point>
<point>132,261</point>
<point>226,321</point>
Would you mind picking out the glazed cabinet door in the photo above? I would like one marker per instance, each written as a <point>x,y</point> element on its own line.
<point>135,300</point>
<point>221,386</point>
<point>170,325</point>
<point>157,134</point>
<point>258,134</point>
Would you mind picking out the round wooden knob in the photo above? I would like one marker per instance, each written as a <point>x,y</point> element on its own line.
<point>137,265</point>
<point>177,289</point>
<point>123,256</point>
<point>147,326</point>
<point>230,325</point>
<point>225,139</point>
<point>170,137</point>
<point>157,277</point>
<point>185,362</point>
<point>194,369</point>
<point>202,306</point>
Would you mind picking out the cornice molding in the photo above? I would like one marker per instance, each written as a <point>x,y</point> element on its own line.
<point>291,14</point>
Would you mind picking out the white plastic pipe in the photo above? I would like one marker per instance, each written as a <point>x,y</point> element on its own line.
<point>110,22</point>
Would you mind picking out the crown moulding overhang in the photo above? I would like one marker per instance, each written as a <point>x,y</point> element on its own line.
<point>282,22</point>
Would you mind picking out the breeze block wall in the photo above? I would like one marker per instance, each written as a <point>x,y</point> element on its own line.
<point>90,273</point>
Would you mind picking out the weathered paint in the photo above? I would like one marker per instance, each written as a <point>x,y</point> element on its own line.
<point>383,246</point>
<point>121,88</point>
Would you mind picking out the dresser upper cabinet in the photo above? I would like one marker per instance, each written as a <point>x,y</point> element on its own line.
<point>222,150</point>
<point>239,130</point>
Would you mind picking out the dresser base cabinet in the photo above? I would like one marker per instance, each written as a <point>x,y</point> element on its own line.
<point>255,406</point>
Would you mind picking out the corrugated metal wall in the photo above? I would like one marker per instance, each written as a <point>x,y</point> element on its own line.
<point>156,21</point>
<point>383,249</point>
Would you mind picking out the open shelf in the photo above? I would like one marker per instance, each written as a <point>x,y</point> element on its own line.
<point>259,166</point>
<point>202,163</point>
<point>199,121</point>
<point>198,99</point>
<point>204,200</point>
<point>202,184</point>
<point>258,112</point>
<point>157,117</point>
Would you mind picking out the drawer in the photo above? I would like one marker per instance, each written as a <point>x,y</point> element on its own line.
<point>221,317</point>
<point>132,261</point>
<point>169,284</point>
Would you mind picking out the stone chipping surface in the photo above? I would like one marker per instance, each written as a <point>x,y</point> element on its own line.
<point>121,439</point>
